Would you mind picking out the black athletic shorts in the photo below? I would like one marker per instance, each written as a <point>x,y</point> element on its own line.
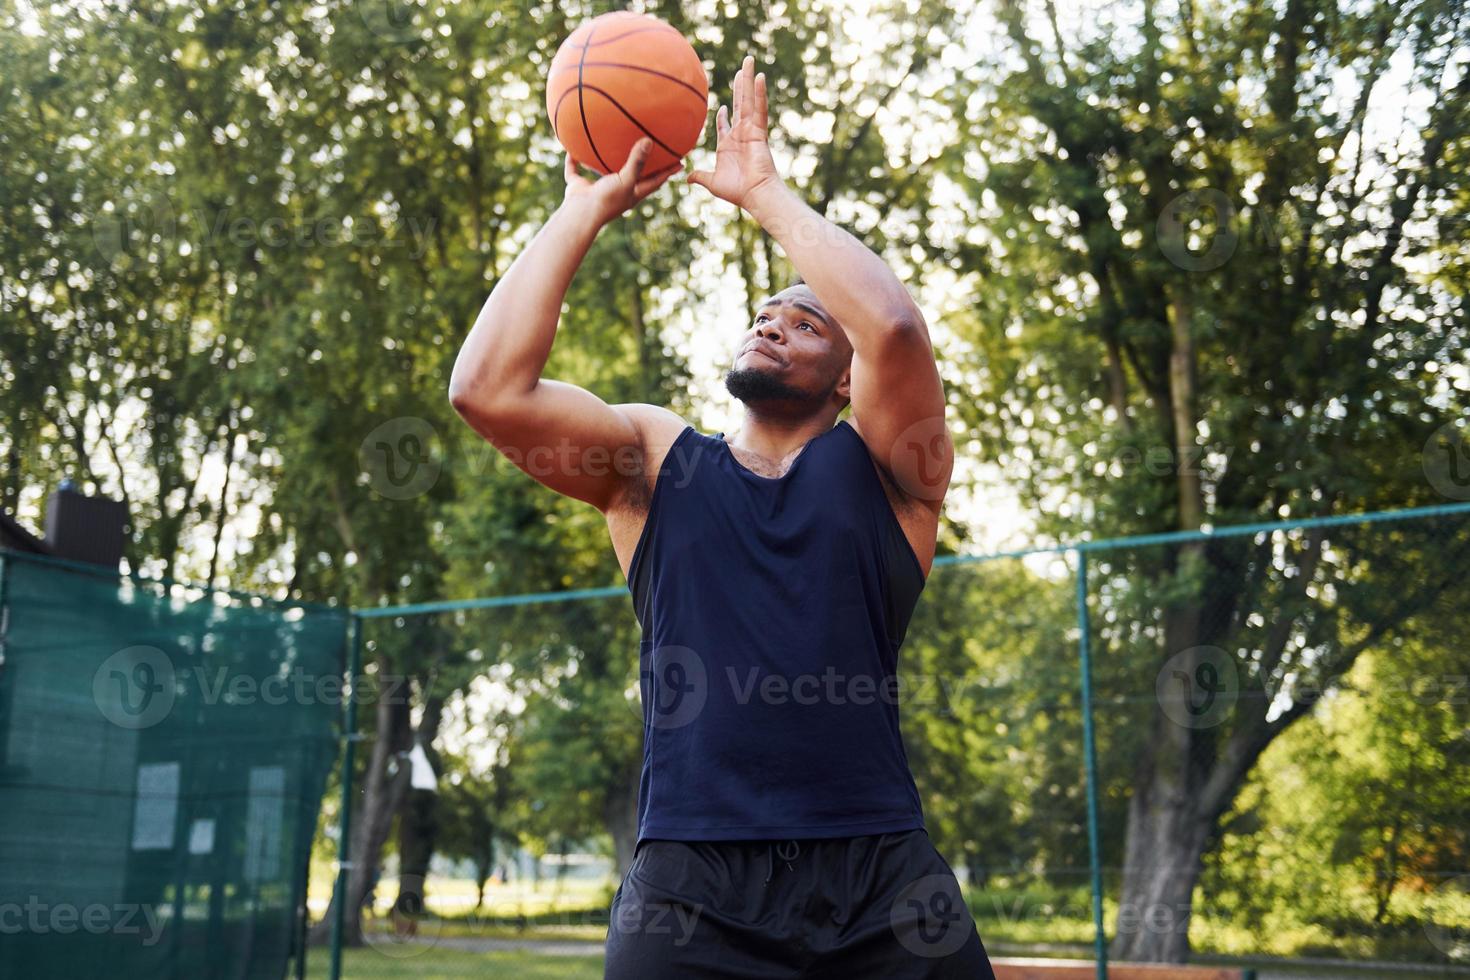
<point>883,906</point>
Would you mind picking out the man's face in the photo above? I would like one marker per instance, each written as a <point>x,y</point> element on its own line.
<point>793,352</point>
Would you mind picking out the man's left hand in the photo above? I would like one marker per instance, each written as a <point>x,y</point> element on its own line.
<point>743,162</point>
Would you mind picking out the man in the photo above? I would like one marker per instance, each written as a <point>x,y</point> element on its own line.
<point>774,574</point>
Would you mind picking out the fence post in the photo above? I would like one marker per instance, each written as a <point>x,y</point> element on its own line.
<point>344,837</point>
<point>1084,633</point>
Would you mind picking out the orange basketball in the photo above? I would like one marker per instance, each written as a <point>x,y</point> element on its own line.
<point>620,77</point>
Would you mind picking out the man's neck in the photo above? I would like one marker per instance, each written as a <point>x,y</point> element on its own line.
<point>776,438</point>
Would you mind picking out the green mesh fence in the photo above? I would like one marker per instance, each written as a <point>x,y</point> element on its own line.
<point>1279,729</point>
<point>163,754</point>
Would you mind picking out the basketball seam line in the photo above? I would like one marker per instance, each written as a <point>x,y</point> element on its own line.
<point>582,106</point>
<point>652,71</point>
<point>631,118</point>
<point>556,110</point>
<point>560,99</point>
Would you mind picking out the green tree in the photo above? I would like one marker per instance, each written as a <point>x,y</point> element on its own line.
<point>1352,808</point>
<point>992,721</point>
<point>478,822</point>
<point>1201,299</point>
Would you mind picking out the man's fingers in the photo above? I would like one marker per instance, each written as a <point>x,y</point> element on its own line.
<point>722,124</point>
<point>742,99</point>
<point>745,86</point>
<point>761,113</point>
<point>653,182</point>
<point>700,177</point>
<point>637,157</point>
<point>737,96</point>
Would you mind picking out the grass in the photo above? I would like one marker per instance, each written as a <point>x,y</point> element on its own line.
<point>1058,920</point>
<point>1060,917</point>
<point>436,963</point>
<point>454,898</point>
<point>433,963</point>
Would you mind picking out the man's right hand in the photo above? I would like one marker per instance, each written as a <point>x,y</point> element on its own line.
<point>612,194</point>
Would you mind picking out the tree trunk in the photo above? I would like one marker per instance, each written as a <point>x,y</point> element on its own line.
<point>976,870</point>
<point>418,823</point>
<point>640,337</point>
<point>381,798</point>
<point>620,815</point>
<point>1163,855</point>
<point>417,827</point>
<point>1167,827</point>
<point>482,875</point>
<point>224,500</point>
<point>1387,878</point>
<point>1183,414</point>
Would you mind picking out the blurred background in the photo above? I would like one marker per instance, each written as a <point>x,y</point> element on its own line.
<point>1188,266</point>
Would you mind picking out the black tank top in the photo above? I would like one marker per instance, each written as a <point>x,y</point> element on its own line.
<point>772,612</point>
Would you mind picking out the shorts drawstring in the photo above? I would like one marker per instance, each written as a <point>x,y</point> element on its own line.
<point>788,851</point>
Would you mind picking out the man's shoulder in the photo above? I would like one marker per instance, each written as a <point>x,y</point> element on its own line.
<point>657,426</point>
<point>658,429</point>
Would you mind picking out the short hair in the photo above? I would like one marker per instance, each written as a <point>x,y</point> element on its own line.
<point>796,281</point>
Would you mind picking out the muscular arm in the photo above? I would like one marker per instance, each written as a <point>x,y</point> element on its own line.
<point>561,435</point>
<point>854,284</point>
<point>897,395</point>
<point>507,348</point>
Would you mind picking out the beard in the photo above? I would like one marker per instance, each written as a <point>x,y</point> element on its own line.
<point>751,386</point>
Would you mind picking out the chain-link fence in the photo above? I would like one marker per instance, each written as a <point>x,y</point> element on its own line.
<point>1283,737</point>
<point>1246,744</point>
<point>537,700</point>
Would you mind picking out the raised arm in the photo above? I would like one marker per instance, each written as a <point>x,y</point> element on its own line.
<point>897,395</point>
<point>561,435</point>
